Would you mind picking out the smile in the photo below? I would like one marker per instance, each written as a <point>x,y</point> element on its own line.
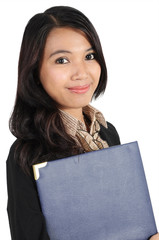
<point>80,89</point>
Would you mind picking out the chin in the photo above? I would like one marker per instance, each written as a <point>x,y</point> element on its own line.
<point>80,104</point>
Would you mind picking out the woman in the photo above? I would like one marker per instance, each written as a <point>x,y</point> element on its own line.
<point>61,67</point>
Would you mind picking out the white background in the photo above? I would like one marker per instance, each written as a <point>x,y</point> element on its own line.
<point>129,32</point>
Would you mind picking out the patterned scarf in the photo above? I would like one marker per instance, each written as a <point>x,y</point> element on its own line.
<point>89,139</point>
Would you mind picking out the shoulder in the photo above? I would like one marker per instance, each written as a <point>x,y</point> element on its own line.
<point>14,169</point>
<point>109,134</point>
<point>12,151</point>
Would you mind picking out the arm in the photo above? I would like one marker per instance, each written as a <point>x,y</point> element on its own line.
<point>25,217</point>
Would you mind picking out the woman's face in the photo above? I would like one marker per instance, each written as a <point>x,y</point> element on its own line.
<point>69,72</point>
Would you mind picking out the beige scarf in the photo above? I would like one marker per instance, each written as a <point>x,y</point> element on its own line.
<point>91,140</point>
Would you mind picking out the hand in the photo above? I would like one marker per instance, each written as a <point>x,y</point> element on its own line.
<point>155,237</point>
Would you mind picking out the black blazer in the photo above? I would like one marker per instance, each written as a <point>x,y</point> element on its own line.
<point>109,134</point>
<point>25,216</point>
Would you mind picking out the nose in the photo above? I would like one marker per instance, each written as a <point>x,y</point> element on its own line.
<point>79,72</point>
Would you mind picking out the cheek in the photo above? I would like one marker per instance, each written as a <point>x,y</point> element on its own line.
<point>53,78</point>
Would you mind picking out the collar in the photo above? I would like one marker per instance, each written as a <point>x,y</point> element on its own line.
<point>72,124</point>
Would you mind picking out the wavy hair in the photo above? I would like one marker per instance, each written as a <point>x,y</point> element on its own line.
<point>35,120</point>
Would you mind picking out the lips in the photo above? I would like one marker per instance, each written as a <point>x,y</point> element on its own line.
<point>80,89</point>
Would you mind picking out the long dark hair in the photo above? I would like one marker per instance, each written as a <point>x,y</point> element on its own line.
<point>35,120</point>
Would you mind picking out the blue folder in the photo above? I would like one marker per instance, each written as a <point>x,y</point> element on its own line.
<point>100,195</point>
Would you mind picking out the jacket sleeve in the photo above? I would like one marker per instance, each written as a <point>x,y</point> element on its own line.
<point>25,217</point>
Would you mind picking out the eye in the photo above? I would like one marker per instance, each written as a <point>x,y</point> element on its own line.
<point>90,56</point>
<point>61,60</point>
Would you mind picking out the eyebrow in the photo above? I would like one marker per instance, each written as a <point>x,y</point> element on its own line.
<point>66,51</point>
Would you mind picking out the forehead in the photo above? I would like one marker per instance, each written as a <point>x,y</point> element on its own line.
<point>69,38</point>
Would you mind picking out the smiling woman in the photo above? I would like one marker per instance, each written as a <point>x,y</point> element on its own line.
<point>61,68</point>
